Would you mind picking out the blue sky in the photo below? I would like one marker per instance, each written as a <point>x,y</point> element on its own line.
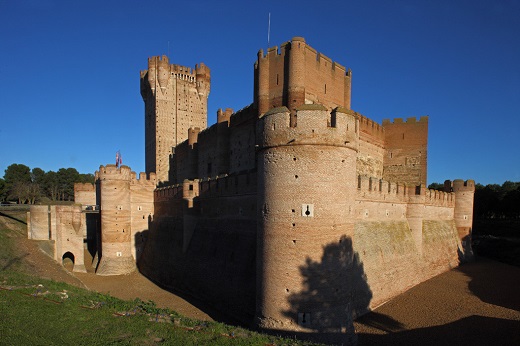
<point>69,72</point>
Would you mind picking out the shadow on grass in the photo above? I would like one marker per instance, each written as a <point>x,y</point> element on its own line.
<point>13,261</point>
<point>12,218</point>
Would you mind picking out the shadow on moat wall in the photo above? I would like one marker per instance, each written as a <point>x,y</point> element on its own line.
<point>336,292</point>
<point>214,271</point>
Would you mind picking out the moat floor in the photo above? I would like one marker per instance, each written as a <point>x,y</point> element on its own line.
<point>477,303</point>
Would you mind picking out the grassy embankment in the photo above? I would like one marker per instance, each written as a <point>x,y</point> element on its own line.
<point>34,311</point>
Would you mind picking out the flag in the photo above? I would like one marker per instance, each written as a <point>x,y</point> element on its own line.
<point>119,159</point>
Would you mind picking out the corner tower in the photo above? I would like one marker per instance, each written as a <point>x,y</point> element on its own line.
<point>175,98</point>
<point>463,213</point>
<point>305,209</point>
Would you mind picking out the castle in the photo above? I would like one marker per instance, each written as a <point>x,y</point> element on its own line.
<point>294,213</point>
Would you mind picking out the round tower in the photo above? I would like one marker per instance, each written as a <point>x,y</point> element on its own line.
<point>116,233</point>
<point>463,213</point>
<point>163,71</point>
<point>203,75</point>
<point>415,213</point>
<point>306,192</point>
<point>151,75</point>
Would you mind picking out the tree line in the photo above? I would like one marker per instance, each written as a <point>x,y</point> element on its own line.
<point>27,186</point>
<point>494,201</point>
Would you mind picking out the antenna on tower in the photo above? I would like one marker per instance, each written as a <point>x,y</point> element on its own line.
<point>268,30</point>
<point>168,49</point>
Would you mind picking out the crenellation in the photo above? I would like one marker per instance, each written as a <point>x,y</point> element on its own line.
<point>370,127</point>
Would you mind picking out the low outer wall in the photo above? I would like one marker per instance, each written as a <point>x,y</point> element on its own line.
<point>38,226</point>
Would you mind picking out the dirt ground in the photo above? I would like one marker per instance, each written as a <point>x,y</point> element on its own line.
<point>477,303</point>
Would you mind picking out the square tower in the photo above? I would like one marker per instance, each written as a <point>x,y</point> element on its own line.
<point>175,98</point>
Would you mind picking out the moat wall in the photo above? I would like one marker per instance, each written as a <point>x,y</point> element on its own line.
<point>203,241</point>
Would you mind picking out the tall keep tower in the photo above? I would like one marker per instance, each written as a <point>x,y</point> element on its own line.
<point>175,98</point>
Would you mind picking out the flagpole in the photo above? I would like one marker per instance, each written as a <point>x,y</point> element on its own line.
<point>268,30</point>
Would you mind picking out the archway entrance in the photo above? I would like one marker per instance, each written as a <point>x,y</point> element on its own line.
<point>68,260</point>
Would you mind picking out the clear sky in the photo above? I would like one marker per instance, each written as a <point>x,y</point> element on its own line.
<point>69,72</point>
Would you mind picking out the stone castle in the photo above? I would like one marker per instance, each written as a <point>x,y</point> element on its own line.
<point>294,213</point>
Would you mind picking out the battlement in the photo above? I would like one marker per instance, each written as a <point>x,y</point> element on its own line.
<point>168,192</point>
<point>193,133</point>
<point>370,127</point>
<point>160,68</point>
<point>322,61</point>
<point>223,116</point>
<point>440,198</point>
<point>410,120</point>
<point>315,125</point>
<point>373,188</point>
<point>112,172</point>
<point>144,179</point>
<point>84,187</point>
<point>461,185</point>
<point>297,74</point>
<point>370,186</point>
<point>243,115</point>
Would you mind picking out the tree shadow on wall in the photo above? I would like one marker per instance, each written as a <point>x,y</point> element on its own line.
<point>336,292</point>
<point>465,252</point>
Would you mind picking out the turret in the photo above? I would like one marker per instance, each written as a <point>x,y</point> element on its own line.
<point>296,84</point>
<point>261,96</point>
<point>463,213</point>
<point>116,230</point>
<point>223,116</point>
<point>415,213</point>
<point>306,192</point>
<point>203,75</point>
<point>163,72</point>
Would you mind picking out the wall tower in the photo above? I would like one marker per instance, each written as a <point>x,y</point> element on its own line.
<point>305,208</point>
<point>116,230</point>
<point>175,98</point>
<point>463,213</point>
